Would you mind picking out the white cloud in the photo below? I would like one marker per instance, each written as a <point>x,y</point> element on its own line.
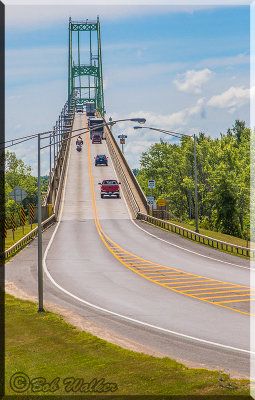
<point>140,73</point>
<point>229,62</point>
<point>192,81</point>
<point>34,14</point>
<point>232,98</point>
<point>198,108</point>
<point>140,140</point>
<point>172,121</point>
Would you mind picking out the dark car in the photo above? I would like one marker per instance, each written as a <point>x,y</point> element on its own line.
<point>96,139</point>
<point>101,159</point>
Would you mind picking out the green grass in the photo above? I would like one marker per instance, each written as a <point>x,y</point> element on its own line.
<point>211,234</point>
<point>18,234</point>
<point>216,235</point>
<point>44,345</point>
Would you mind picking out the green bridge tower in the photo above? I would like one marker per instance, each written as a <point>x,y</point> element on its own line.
<point>85,75</point>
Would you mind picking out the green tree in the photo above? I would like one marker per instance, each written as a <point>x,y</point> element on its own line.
<point>18,173</point>
<point>223,166</point>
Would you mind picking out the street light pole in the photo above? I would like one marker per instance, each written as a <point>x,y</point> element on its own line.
<point>176,134</point>
<point>39,209</point>
<point>50,158</point>
<point>39,221</point>
<point>196,199</point>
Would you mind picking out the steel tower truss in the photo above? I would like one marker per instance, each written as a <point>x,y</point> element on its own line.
<point>85,80</point>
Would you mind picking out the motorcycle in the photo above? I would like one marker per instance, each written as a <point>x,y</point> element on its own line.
<point>78,147</point>
<point>79,143</point>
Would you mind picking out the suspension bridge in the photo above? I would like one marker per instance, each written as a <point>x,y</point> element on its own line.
<point>106,259</point>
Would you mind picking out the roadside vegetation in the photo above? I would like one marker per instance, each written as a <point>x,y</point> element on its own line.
<point>223,170</point>
<point>216,235</point>
<point>18,173</point>
<point>18,234</point>
<point>44,345</point>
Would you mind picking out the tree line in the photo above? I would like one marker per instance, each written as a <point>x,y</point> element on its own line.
<point>18,173</point>
<point>223,173</point>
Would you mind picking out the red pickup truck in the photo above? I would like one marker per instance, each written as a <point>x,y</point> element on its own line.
<point>110,187</point>
<point>96,139</point>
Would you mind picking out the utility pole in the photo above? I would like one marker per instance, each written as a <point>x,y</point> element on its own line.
<point>50,157</point>
<point>39,221</point>
<point>196,200</point>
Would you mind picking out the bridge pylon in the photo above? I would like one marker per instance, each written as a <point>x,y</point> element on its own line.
<point>85,75</point>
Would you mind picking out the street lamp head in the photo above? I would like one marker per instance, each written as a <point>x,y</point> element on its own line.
<point>139,120</point>
<point>137,127</point>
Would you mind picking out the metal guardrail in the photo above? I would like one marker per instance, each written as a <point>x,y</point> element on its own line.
<point>198,237</point>
<point>27,238</point>
<point>131,198</point>
<point>63,124</point>
<point>60,184</point>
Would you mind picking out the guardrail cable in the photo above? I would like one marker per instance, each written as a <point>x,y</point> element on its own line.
<point>198,237</point>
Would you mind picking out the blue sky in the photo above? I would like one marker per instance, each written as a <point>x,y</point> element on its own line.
<point>183,68</point>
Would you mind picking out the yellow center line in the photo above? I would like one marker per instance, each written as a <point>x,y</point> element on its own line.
<point>164,276</point>
<point>222,291</point>
<point>229,295</point>
<point>189,282</point>
<point>218,287</point>
<point>141,263</point>
<point>112,247</point>
<point>154,269</point>
<point>179,279</point>
<point>206,284</point>
<point>234,301</point>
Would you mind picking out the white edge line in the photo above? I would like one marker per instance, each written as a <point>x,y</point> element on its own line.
<point>112,312</point>
<point>191,251</point>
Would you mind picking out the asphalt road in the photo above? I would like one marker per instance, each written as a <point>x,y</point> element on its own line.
<point>87,277</point>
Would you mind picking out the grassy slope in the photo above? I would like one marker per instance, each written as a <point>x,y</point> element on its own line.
<point>44,345</point>
<point>216,235</point>
<point>18,234</point>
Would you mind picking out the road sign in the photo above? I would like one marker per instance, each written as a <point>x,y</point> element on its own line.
<point>151,184</point>
<point>122,136</point>
<point>22,216</point>
<point>5,228</point>
<point>18,194</point>
<point>150,200</point>
<point>31,214</point>
<point>31,211</point>
<point>122,141</point>
<point>13,222</point>
<point>161,202</point>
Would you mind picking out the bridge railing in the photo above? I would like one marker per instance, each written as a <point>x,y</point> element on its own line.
<point>198,237</point>
<point>62,175</point>
<point>62,130</point>
<point>27,238</point>
<point>135,195</point>
<point>132,201</point>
